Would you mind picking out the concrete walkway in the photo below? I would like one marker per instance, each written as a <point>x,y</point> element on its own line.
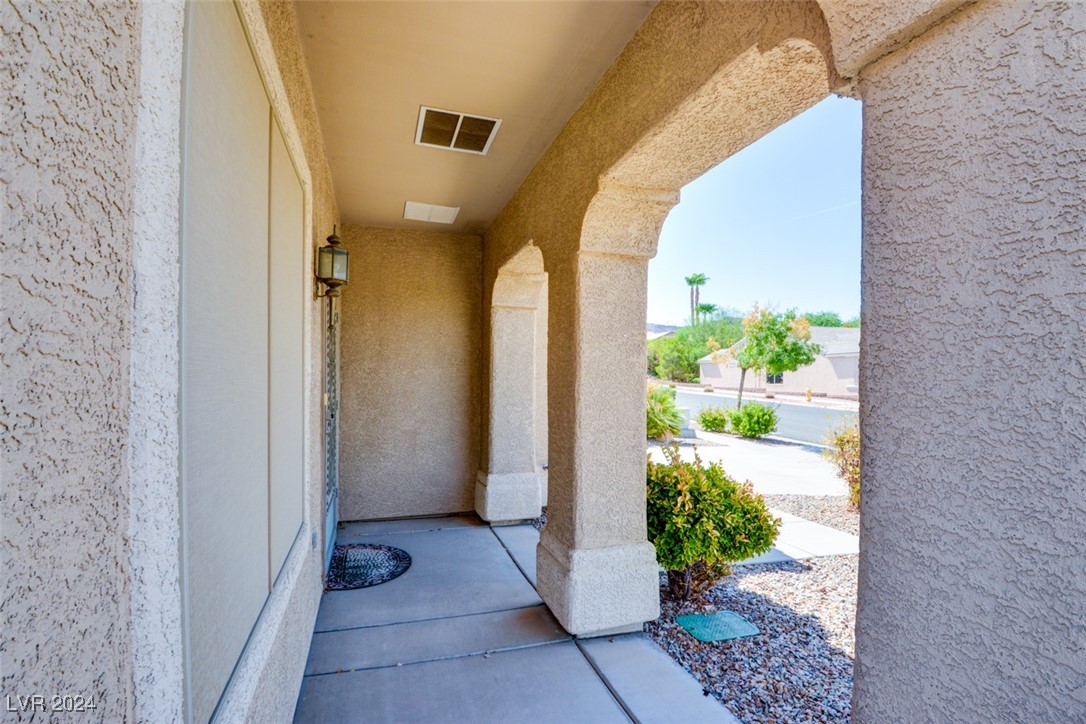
<point>800,538</point>
<point>463,636</point>
<point>774,468</point>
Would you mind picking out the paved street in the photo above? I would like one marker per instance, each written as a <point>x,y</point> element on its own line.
<point>797,421</point>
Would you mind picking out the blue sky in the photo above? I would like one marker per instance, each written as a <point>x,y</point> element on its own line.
<point>777,223</point>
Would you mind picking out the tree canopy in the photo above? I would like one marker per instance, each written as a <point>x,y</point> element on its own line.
<point>824,319</point>
<point>775,343</point>
<point>695,282</point>
<point>676,357</point>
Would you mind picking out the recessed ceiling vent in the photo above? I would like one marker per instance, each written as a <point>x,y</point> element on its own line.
<point>415,211</point>
<point>456,131</point>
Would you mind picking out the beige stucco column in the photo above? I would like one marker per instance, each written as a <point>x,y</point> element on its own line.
<point>971,576</point>
<point>509,488</point>
<point>596,569</point>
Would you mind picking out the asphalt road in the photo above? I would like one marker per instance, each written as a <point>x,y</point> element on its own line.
<point>806,423</point>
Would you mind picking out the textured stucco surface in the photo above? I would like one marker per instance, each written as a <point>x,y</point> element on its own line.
<point>864,31</point>
<point>154,522</point>
<point>68,136</point>
<point>972,588</point>
<point>510,486</point>
<point>411,412</point>
<point>698,82</point>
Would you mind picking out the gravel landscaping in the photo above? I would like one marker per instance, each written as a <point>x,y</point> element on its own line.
<point>799,667</point>
<point>831,510</point>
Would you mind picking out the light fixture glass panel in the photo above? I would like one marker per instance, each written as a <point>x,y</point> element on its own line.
<point>339,265</point>
<point>324,262</point>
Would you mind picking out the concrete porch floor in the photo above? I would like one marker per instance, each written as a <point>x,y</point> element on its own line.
<point>463,636</point>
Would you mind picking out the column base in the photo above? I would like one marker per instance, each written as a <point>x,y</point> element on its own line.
<point>507,497</point>
<point>599,591</point>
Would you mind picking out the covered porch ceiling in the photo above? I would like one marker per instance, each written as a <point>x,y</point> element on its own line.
<point>375,64</point>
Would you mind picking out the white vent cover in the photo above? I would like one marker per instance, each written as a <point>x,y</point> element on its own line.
<point>456,131</point>
<point>414,211</point>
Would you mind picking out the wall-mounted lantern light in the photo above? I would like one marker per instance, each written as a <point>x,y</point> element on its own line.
<point>332,265</point>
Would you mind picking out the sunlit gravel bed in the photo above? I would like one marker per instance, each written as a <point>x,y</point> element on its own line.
<point>799,667</point>
<point>831,510</point>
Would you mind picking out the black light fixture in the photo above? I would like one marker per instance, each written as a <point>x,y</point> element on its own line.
<point>332,265</point>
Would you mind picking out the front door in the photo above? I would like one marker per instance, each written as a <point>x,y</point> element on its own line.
<point>331,429</point>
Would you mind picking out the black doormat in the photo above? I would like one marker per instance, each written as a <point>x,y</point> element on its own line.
<point>360,565</point>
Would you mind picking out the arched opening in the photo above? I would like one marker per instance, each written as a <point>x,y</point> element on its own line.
<point>596,569</point>
<point>777,225</point>
<point>512,486</point>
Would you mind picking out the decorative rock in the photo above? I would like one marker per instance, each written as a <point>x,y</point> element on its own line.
<point>799,667</point>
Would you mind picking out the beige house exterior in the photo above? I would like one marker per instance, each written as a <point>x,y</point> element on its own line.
<point>835,371</point>
<point>183,419</point>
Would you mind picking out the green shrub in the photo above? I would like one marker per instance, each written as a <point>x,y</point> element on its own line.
<point>654,358</point>
<point>844,452</point>
<point>676,357</point>
<point>713,419</point>
<point>753,420</point>
<point>662,417</point>
<point>701,520</point>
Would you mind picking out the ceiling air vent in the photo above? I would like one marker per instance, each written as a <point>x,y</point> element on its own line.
<point>415,211</point>
<point>456,131</point>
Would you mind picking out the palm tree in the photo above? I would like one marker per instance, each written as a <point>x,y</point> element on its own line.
<point>695,281</point>
<point>705,309</point>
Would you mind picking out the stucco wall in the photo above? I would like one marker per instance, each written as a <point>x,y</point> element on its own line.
<point>66,171</point>
<point>695,61</point>
<point>154,517</point>
<point>698,82</point>
<point>972,590</point>
<point>90,169</point>
<point>410,422</point>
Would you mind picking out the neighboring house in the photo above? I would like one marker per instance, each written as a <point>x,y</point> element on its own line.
<point>650,336</point>
<point>184,421</point>
<point>835,371</point>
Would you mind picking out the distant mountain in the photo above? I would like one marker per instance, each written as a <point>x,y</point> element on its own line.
<point>657,328</point>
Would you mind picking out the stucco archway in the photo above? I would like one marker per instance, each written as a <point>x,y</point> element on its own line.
<point>512,485</point>
<point>596,570</point>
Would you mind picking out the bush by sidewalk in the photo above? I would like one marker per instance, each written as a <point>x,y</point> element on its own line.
<point>713,419</point>
<point>844,452</point>
<point>701,520</point>
<point>753,420</point>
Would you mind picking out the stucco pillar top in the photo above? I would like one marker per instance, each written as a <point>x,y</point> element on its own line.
<point>862,31</point>
<point>518,290</point>
<point>626,220</point>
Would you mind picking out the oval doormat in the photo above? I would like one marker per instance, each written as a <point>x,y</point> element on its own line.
<point>360,565</point>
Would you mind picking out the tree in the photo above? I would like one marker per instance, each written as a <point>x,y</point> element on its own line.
<point>676,358</point>
<point>775,343</point>
<point>704,310</point>
<point>824,319</point>
<point>695,282</point>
